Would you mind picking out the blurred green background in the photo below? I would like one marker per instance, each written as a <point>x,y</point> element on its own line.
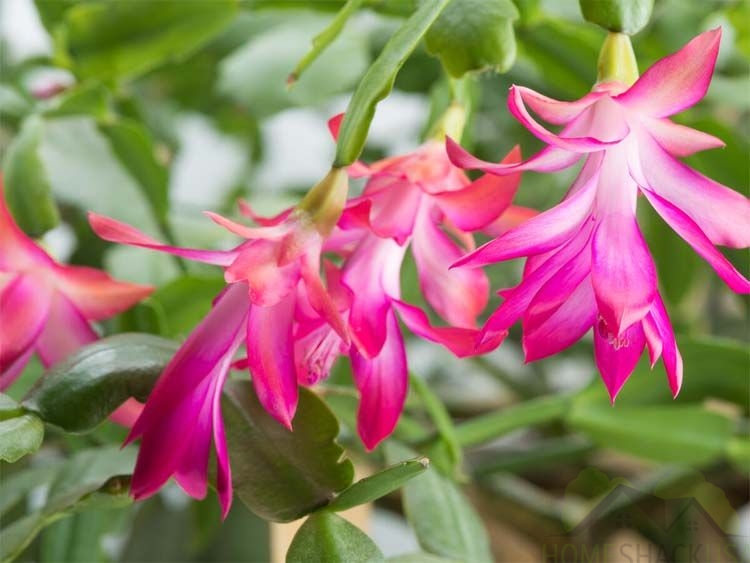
<point>152,119</point>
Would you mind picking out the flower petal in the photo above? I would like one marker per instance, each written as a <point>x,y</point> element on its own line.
<point>658,320</point>
<point>616,131</point>
<point>511,218</point>
<point>394,209</point>
<point>65,331</point>
<point>382,383</point>
<point>95,294</point>
<point>461,341</point>
<point>554,111</point>
<point>247,210</point>
<point>25,304</point>
<point>270,354</point>
<point>549,159</point>
<point>257,264</point>
<point>623,272</point>
<point>272,232</point>
<point>617,356</point>
<point>539,234</point>
<point>115,231</point>
<point>679,140</point>
<point>677,81</point>
<point>484,200</point>
<point>721,213</point>
<point>695,237</point>
<point>457,295</point>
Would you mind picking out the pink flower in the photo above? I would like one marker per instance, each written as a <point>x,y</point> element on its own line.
<point>48,307</point>
<point>588,264</point>
<point>417,200</point>
<point>272,277</point>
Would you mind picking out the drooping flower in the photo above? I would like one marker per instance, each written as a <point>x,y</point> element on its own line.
<point>587,262</point>
<point>271,276</point>
<point>415,201</point>
<point>47,308</point>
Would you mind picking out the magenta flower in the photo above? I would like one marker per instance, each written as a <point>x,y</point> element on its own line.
<point>48,307</point>
<point>588,264</point>
<point>413,201</point>
<point>272,277</point>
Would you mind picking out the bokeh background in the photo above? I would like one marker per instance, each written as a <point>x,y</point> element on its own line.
<point>223,124</point>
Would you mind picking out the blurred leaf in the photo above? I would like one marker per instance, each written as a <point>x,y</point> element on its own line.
<point>378,485</point>
<point>282,475</point>
<point>83,390</point>
<point>443,519</point>
<point>328,537</point>
<point>419,558</point>
<point>739,16</point>
<point>76,539</point>
<point>323,39</point>
<point>20,436</point>
<point>182,303</point>
<point>27,186</point>
<point>256,73</point>
<point>17,485</point>
<point>92,478</point>
<point>86,99</point>
<point>738,452</point>
<point>13,105</point>
<point>134,147</point>
<point>378,81</point>
<point>51,12</point>
<point>9,408</point>
<point>670,433</point>
<point>474,35</point>
<point>109,40</point>
<point>624,16</point>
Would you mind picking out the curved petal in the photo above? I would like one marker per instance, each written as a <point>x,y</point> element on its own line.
<point>679,140</point>
<point>623,272</point>
<point>97,295</point>
<point>555,111</point>
<point>458,295</point>
<point>721,213</point>
<point>549,159</point>
<point>270,355</point>
<point>482,201</point>
<point>616,131</point>
<point>617,356</point>
<point>65,331</point>
<point>393,210</point>
<point>658,321</point>
<point>271,232</point>
<point>692,234</point>
<point>25,305</point>
<point>677,81</point>
<point>563,327</point>
<point>539,234</point>
<point>257,264</point>
<point>247,211</point>
<point>382,383</point>
<point>462,342</point>
<point>511,218</point>
<point>114,231</point>
<point>181,403</point>
<point>319,297</point>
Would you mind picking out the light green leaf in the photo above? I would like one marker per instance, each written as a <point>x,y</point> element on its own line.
<point>624,16</point>
<point>282,475</point>
<point>109,40</point>
<point>669,433</point>
<point>323,39</point>
<point>378,81</point>
<point>86,99</point>
<point>441,418</point>
<point>80,392</point>
<point>380,484</point>
<point>182,303</point>
<point>328,537</point>
<point>474,35</point>
<point>443,519</point>
<point>27,186</point>
<point>20,436</point>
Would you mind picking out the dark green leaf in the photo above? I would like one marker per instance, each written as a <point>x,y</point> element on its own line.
<point>80,392</point>
<point>670,433</point>
<point>380,484</point>
<point>27,187</point>
<point>624,16</point>
<point>20,436</point>
<point>91,479</point>
<point>282,475</point>
<point>443,519</point>
<point>474,35</point>
<point>328,537</point>
<point>124,39</point>
<point>378,81</point>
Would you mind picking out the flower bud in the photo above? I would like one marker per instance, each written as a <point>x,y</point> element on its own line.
<point>617,61</point>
